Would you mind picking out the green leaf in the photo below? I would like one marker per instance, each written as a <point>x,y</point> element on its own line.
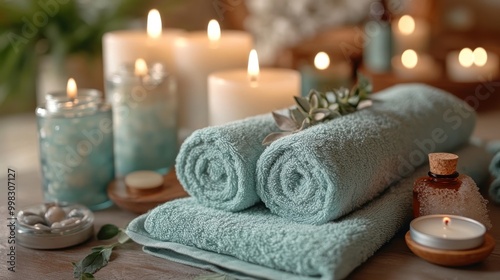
<point>107,231</point>
<point>297,116</point>
<point>284,123</point>
<point>92,262</point>
<point>86,276</point>
<point>303,103</point>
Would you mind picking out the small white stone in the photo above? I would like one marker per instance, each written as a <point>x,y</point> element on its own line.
<point>54,214</point>
<point>33,219</point>
<point>143,180</point>
<point>56,225</point>
<point>70,222</point>
<point>41,227</point>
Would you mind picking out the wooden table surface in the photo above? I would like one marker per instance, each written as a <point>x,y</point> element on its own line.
<point>19,150</point>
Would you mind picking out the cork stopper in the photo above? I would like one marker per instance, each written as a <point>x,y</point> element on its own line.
<point>443,163</point>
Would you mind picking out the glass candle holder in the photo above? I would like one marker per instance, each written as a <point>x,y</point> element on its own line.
<point>145,119</point>
<point>76,148</point>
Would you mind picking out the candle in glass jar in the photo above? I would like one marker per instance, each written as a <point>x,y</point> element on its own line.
<point>145,118</point>
<point>198,54</point>
<point>447,232</point>
<point>153,45</point>
<point>325,75</point>
<point>472,66</point>
<point>239,93</point>
<point>417,67</point>
<point>75,132</point>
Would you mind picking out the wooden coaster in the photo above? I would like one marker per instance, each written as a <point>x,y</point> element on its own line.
<point>141,202</point>
<point>452,257</point>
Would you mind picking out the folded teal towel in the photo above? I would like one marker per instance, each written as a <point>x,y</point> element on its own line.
<point>257,243</point>
<point>495,165</point>
<point>494,190</point>
<point>330,169</point>
<point>216,165</point>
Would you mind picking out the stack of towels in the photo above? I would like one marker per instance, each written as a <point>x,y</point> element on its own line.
<point>312,205</point>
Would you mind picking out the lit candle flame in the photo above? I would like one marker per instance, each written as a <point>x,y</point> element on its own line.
<point>71,89</point>
<point>141,68</point>
<point>213,31</point>
<point>321,61</point>
<point>409,58</point>
<point>253,66</point>
<point>406,25</point>
<point>446,221</point>
<point>466,57</point>
<point>154,24</point>
<point>480,57</point>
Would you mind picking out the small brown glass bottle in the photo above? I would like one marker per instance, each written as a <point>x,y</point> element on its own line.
<point>443,178</point>
<point>444,191</point>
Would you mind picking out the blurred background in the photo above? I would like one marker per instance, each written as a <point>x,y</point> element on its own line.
<point>44,42</point>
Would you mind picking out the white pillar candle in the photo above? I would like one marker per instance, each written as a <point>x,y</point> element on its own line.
<point>413,66</point>
<point>411,33</point>
<point>239,93</point>
<point>472,66</point>
<point>125,46</point>
<point>198,54</point>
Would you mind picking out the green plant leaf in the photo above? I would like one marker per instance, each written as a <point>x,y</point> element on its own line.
<point>108,231</point>
<point>92,262</point>
<point>284,123</point>
<point>86,276</point>
<point>303,103</point>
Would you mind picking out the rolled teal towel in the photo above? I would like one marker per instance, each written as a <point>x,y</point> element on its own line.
<point>255,243</point>
<point>494,190</point>
<point>495,165</point>
<point>330,169</point>
<point>216,165</point>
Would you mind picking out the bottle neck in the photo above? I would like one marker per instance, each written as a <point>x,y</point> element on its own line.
<point>444,178</point>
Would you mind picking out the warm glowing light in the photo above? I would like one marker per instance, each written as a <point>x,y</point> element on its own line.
<point>466,57</point>
<point>253,66</point>
<point>213,31</point>
<point>446,221</point>
<point>141,68</point>
<point>154,24</point>
<point>406,24</point>
<point>321,61</point>
<point>71,89</point>
<point>480,57</point>
<point>409,58</point>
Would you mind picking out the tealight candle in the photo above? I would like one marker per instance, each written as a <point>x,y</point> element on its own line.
<point>410,33</point>
<point>325,75</point>
<point>76,147</point>
<point>447,232</point>
<point>198,54</point>
<point>153,45</point>
<point>413,66</point>
<point>145,118</point>
<point>236,94</point>
<point>471,66</point>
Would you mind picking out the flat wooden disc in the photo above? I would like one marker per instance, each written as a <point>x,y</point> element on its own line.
<point>141,202</point>
<point>452,257</point>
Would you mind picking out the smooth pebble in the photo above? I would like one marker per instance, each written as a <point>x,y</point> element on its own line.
<point>54,214</point>
<point>70,221</point>
<point>33,219</point>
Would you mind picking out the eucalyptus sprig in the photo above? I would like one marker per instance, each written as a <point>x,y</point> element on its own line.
<point>321,106</point>
<point>99,256</point>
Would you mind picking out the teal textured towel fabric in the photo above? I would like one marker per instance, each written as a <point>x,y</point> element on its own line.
<point>216,165</point>
<point>494,190</point>
<point>495,165</point>
<point>257,243</point>
<point>330,169</point>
